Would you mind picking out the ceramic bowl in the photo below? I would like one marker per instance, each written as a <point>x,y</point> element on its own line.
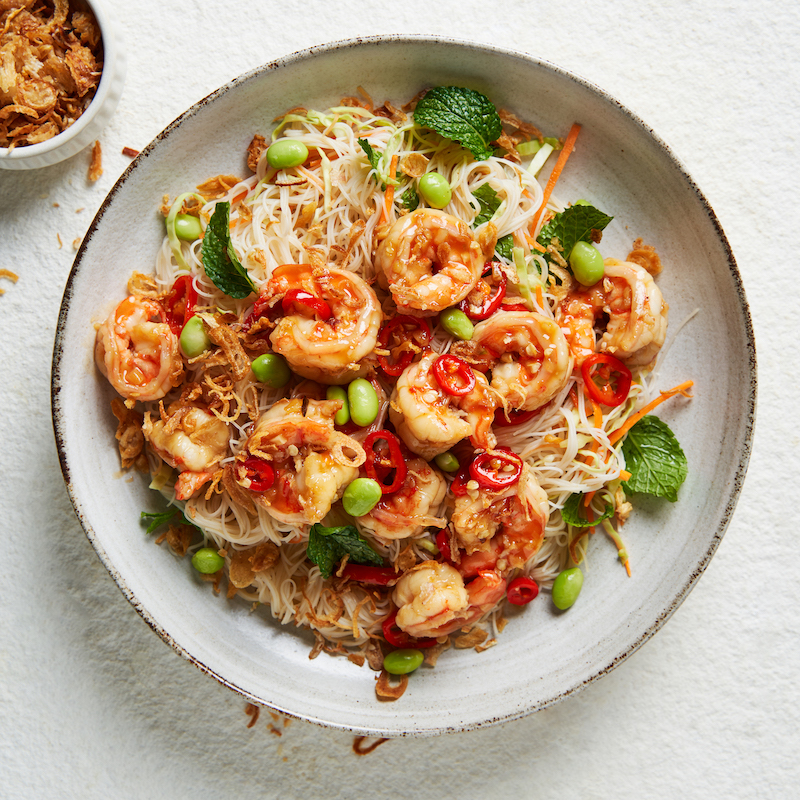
<point>88,126</point>
<point>543,655</point>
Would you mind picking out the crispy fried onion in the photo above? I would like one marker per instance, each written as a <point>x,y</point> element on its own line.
<point>256,148</point>
<point>178,537</point>
<point>129,435</point>
<point>387,691</point>
<point>218,186</point>
<point>246,564</point>
<point>432,653</point>
<point>473,638</point>
<point>236,492</point>
<point>645,256</point>
<point>228,340</point>
<point>360,750</point>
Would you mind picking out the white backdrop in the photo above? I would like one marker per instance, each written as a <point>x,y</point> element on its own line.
<point>93,704</point>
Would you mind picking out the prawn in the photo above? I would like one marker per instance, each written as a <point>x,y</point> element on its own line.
<point>533,357</point>
<point>136,350</point>
<point>189,439</point>
<point>408,511</point>
<point>430,421</point>
<point>325,337</point>
<point>432,599</point>
<point>636,311</point>
<point>311,460</point>
<point>504,528</point>
<point>429,261</point>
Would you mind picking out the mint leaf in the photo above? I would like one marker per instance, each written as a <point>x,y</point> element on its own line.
<point>489,203</point>
<point>574,224</point>
<point>373,156</point>
<point>463,115</point>
<point>159,518</point>
<point>409,199</point>
<point>505,246</point>
<point>654,458</point>
<point>219,258</point>
<point>574,512</point>
<point>327,546</point>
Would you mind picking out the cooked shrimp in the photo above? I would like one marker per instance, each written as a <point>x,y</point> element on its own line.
<point>509,522</point>
<point>429,261</point>
<point>534,360</point>
<point>327,350</point>
<point>190,439</point>
<point>313,462</point>
<point>139,355</point>
<point>432,599</point>
<point>431,421</point>
<point>636,311</point>
<point>408,511</point>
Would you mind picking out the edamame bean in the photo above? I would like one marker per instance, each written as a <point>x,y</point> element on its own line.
<point>286,153</point>
<point>188,227</point>
<point>342,416</point>
<point>401,662</point>
<point>567,587</point>
<point>435,189</point>
<point>586,263</point>
<point>447,462</point>
<point>363,401</point>
<point>194,339</point>
<point>360,496</point>
<point>457,323</point>
<point>272,370</point>
<point>207,561</point>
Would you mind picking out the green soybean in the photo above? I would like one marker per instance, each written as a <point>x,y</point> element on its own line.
<point>457,323</point>
<point>194,339</point>
<point>207,561</point>
<point>361,496</point>
<point>435,189</point>
<point>342,416</point>
<point>286,153</point>
<point>567,587</point>
<point>447,462</point>
<point>363,401</point>
<point>188,227</point>
<point>272,370</point>
<point>401,662</point>
<point>586,263</point>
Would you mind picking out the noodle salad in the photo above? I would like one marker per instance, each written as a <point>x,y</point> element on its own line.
<point>387,383</point>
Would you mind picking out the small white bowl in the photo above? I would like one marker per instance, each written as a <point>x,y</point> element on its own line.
<point>88,126</point>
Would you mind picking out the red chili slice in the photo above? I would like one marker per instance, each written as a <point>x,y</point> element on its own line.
<point>397,335</point>
<point>303,301</point>
<point>488,469</point>
<point>522,590</point>
<point>454,375</point>
<point>611,371</point>
<point>459,485</point>
<point>443,543</point>
<point>514,417</point>
<point>399,638</point>
<point>380,465</point>
<point>375,576</point>
<point>181,303</point>
<point>260,473</point>
<point>492,296</point>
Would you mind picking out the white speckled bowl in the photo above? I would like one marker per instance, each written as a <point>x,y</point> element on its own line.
<point>88,126</point>
<point>543,655</point>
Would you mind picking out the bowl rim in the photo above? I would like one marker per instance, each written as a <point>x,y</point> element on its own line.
<point>748,413</point>
<point>111,55</point>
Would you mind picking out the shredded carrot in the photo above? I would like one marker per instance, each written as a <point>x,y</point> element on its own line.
<point>624,475</point>
<point>537,246</point>
<point>682,388</point>
<point>554,175</point>
<point>588,499</point>
<point>389,196</point>
<point>239,197</point>
<point>539,296</point>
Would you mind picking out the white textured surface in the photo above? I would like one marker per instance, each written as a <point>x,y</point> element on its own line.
<point>95,705</point>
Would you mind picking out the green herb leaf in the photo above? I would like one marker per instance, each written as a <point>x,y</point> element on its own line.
<point>574,224</point>
<point>409,199</point>
<point>654,458</point>
<point>463,115</point>
<point>373,156</point>
<point>574,512</point>
<point>505,246</point>
<point>327,546</point>
<point>219,258</point>
<point>489,202</point>
<point>159,518</point>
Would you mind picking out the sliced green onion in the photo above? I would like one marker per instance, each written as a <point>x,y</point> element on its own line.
<point>524,286</point>
<point>539,159</point>
<point>428,545</point>
<point>529,148</point>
